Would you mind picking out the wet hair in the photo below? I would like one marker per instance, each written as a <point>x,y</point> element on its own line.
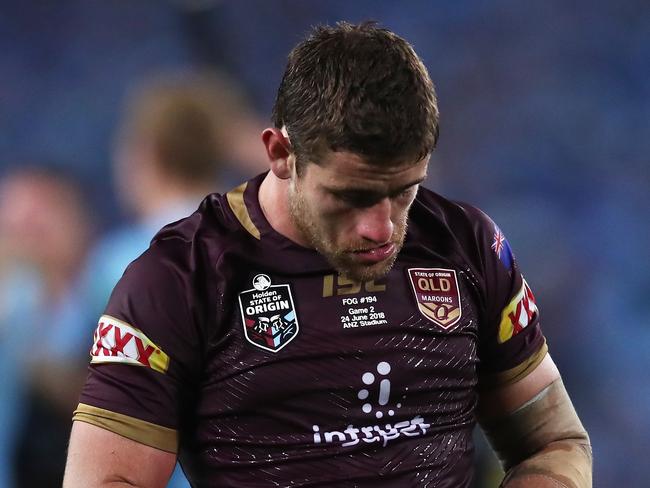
<point>357,88</point>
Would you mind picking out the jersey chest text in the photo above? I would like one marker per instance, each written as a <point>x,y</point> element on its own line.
<point>350,350</point>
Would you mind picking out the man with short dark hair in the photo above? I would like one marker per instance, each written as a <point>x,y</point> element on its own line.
<point>330,322</point>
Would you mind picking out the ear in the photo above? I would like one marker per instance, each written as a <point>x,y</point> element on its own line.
<point>278,150</point>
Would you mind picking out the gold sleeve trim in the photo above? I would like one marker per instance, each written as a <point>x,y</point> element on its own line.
<point>235,199</point>
<point>141,431</point>
<point>517,373</point>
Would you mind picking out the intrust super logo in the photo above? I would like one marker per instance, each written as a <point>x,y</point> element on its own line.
<point>374,433</point>
<point>115,341</point>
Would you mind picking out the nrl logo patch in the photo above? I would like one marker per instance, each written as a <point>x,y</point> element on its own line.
<point>268,314</point>
<point>437,294</point>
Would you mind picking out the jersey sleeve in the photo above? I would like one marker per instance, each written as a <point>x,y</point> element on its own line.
<point>511,344</point>
<point>146,350</point>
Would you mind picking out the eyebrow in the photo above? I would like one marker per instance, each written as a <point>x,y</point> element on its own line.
<point>364,192</point>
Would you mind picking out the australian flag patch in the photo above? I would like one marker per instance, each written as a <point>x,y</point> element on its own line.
<point>501,247</point>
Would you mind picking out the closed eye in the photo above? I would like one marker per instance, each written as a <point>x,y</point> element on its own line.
<point>360,198</point>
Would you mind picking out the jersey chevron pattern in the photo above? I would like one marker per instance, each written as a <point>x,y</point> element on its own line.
<point>249,356</point>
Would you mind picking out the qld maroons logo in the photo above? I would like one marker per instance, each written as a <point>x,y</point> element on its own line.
<point>268,314</point>
<point>437,294</point>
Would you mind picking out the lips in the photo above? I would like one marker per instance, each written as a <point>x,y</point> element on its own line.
<point>376,254</point>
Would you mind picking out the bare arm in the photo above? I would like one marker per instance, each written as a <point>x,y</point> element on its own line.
<point>536,433</point>
<point>98,458</point>
<point>509,398</point>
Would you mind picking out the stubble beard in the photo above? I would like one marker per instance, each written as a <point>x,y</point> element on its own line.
<point>342,260</point>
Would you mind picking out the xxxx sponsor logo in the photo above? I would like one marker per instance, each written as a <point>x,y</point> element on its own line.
<point>115,341</point>
<point>437,294</point>
<point>518,314</point>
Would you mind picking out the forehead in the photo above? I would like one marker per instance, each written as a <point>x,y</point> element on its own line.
<point>343,170</point>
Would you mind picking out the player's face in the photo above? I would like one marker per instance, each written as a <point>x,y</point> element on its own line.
<point>355,213</point>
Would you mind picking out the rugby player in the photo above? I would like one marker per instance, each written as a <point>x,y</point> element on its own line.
<point>330,322</point>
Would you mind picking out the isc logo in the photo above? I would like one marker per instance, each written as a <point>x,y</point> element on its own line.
<point>337,285</point>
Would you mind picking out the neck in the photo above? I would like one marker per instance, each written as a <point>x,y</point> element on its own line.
<point>274,201</point>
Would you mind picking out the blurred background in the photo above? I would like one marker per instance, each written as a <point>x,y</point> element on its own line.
<point>117,117</point>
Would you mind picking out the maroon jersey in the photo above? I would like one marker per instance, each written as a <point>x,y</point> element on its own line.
<point>249,356</point>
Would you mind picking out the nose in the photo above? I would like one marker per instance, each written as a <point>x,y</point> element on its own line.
<point>375,222</point>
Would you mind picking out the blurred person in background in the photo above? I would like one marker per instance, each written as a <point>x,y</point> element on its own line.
<point>44,235</point>
<point>180,136</point>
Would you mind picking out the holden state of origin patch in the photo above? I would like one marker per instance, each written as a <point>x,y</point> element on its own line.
<point>268,314</point>
<point>437,295</point>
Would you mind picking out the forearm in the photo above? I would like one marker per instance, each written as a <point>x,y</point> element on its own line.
<point>543,444</point>
<point>562,464</point>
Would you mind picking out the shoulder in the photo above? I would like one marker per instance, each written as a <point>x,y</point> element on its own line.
<point>211,217</point>
<point>459,224</point>
<point>180,256</point>
<point>201,236</point>
<point>450,212</point>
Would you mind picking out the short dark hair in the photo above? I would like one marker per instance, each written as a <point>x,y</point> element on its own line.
<point>357,88</point>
